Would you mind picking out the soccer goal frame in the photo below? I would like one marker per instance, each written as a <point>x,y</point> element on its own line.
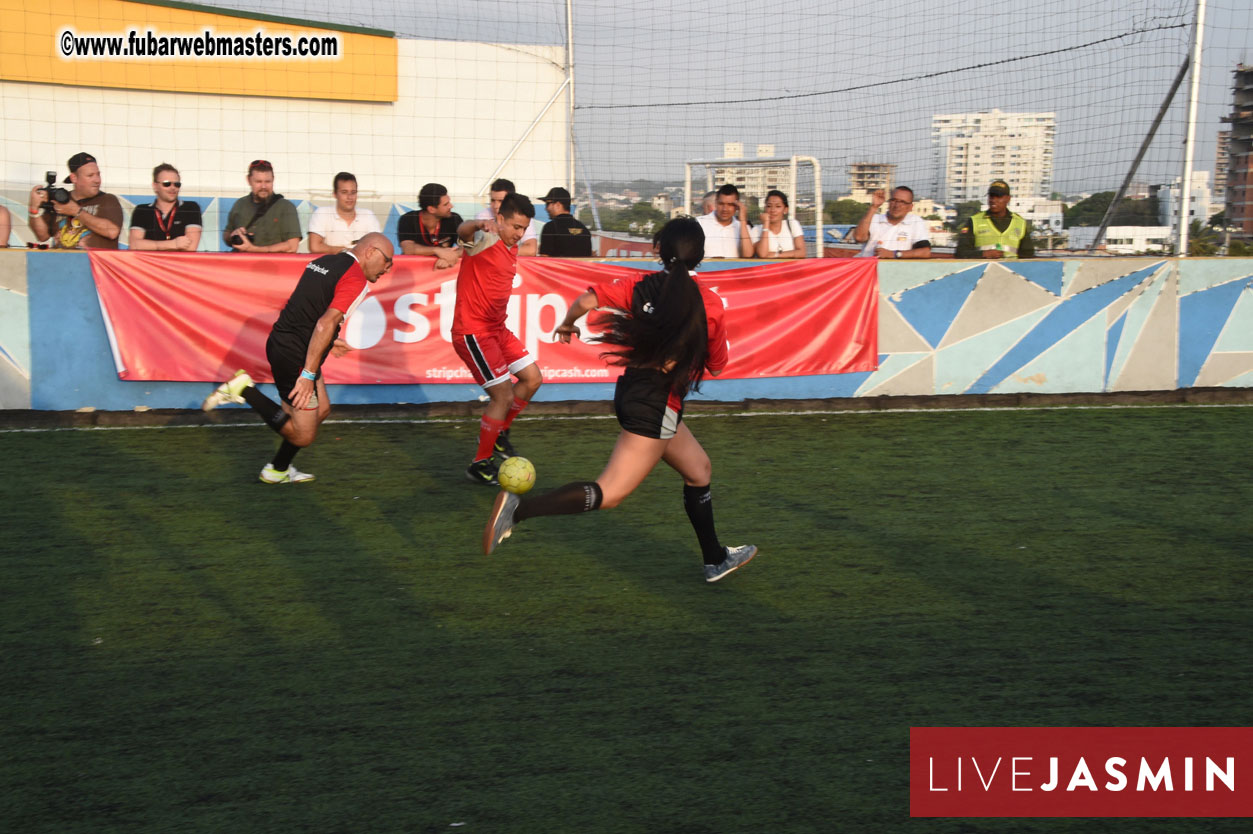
<point>793,163</point>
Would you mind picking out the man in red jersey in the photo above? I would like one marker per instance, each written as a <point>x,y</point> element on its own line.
<point>479,335</point>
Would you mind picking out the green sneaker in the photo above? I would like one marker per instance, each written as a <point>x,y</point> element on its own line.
<point>483,471</point>
<point>291,475</point>
<point>504,449</point>
<point>230,391</point>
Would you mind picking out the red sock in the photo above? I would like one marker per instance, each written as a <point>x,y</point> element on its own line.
<point>514,411</point>
<point>489,429</point>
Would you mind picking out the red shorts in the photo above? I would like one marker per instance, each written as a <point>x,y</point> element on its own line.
<point>491,355</point>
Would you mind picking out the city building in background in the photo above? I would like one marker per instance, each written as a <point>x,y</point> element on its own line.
<point>1221,163</point>
<point>753,181</point>
<point>972,149</point>
<point>866,177</point>
<point>1200,202</point>
<point>1123,240</point>
<point>1239,189</point>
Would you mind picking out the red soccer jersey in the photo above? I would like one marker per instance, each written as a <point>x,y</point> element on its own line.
<point>634,293</point>
<point>484,284</point>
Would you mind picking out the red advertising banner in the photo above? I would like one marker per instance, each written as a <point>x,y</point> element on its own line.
<point>1080,771</point>
<point>200,317</point>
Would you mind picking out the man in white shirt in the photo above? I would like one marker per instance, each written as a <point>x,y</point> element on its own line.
<point>725,235</point>
<point>895,234</point>
<point>339,227</point>
<point>529,246</point>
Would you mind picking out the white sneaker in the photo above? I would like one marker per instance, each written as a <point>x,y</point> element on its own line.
<point>230,391</point>
<point>291,475</point>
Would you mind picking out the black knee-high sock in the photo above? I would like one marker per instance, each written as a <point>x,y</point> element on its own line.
<point>574,497</point>
<point>271,412</point>
<point>283,457</point>
<point>698,501</point>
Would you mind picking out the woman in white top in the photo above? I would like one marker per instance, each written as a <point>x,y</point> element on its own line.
<point>778,236</point>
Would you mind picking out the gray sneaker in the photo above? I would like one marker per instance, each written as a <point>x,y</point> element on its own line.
<point>737,557</point>
<point>500,524</point>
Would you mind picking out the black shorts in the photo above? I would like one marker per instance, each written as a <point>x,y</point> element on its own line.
<point>286,366</point>
<point>644,404</point>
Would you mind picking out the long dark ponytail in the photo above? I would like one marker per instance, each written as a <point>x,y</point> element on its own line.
<point>671,332</point>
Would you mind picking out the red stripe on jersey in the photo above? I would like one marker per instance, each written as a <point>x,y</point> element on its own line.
<point>350,290</point>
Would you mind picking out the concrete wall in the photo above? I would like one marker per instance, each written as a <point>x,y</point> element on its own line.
<point>946,327</point>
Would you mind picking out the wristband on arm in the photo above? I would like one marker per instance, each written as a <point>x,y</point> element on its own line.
<point>306,374</point>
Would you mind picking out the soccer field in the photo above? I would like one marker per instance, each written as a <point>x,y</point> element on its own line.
<point>189,650</point>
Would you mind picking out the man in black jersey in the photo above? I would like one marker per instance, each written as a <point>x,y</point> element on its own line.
<point>307,330</point>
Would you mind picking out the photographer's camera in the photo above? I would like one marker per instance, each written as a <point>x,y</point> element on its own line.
<point>56,194</point>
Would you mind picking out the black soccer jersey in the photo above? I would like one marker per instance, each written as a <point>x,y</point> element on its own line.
<point>330,281</point>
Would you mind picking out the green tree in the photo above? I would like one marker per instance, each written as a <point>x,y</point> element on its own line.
<point>1202,240</point>
<point>964,210</point>
<point>1240,249</point>
<point>621,220</point>
<point>1091,211</point>
<point>840,212</point>
<point>1218,220</point>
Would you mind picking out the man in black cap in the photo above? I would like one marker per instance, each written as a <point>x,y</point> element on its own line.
<point>563,235</point>
<point>89,219</point>
<point>998,232</point>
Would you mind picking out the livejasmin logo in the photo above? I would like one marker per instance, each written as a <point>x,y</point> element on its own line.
<point>1080,771</point>
<point>1162,778</point>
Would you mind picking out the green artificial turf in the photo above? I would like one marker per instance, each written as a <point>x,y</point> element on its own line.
<point>186,649</point>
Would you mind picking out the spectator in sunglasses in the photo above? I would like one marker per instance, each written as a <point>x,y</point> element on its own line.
<point>167,224</point>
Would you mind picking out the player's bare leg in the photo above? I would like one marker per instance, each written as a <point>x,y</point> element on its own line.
<point>529,381</point>
<point>300,430</point>
<point>633,457</point>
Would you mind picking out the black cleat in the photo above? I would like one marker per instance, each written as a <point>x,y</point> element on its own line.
<point>483,472</point>
<point>504,449</point>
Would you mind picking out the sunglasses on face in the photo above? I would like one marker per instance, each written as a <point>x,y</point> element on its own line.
<point>168,183</point>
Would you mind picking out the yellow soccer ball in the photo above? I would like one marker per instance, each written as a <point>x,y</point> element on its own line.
<point>516,475</point>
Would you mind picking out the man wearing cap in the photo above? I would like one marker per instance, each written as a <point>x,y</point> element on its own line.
<point>262,221</point>
<point>90,219</point>
<point>563,236</point>
<point>997,232</point>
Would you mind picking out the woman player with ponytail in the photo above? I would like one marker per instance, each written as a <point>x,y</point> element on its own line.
<point>668,330</point>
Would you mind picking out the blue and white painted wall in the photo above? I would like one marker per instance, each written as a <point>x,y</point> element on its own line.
<point>946,327</point>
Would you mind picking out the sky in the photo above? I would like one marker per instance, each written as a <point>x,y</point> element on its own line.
<point>659,84</point>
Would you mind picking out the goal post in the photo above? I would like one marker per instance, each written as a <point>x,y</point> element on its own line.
<point>754,177</point>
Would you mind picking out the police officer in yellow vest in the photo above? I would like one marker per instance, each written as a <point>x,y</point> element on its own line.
<point>997,232</point>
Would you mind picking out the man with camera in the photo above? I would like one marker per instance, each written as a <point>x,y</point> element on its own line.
<point>83,217</point>
<point>262,221</point>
